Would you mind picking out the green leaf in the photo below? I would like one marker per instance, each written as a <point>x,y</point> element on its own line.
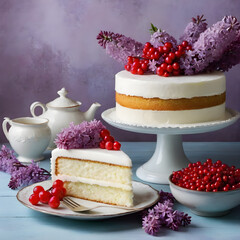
<point>153,29</point>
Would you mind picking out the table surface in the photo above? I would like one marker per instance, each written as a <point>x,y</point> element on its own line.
<point>20,222</point>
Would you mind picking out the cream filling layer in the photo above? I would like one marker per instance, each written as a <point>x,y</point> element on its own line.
<point>91,181</point>
<point>155,118</point>
<point>154,86</point>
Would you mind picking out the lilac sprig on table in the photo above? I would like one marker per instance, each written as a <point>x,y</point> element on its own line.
<point>118,46</point>
<point>163,214</point>
<point>194,29</point>
<point>83,135</point>
<point>211,46</point>
<point>21,175</point>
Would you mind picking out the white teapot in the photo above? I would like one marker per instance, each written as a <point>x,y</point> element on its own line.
<point>62,111</point>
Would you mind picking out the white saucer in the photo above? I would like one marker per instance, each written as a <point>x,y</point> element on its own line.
<point>144,197</point>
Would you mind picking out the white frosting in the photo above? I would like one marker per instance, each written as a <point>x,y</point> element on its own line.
<point>94,154</point>
<point>155,118</point>
<point>154,86</point>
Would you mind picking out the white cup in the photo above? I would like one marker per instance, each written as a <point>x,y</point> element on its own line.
<point>29,137</point>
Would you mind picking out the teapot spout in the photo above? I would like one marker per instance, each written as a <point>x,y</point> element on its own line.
<point>89,114</point>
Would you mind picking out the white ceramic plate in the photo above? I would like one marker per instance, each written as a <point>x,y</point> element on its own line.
<point>144,197</point>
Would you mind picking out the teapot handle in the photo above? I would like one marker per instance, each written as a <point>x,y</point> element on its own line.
<point>37,104</point>
<point>4,126</point>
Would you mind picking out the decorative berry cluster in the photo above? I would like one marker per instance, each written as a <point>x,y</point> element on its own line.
<point>108,142</point>
<point>166,57</point>
<point>52,196</point>
<point>208,177</point>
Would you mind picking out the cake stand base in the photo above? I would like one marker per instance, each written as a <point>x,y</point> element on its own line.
<point>168,156</point>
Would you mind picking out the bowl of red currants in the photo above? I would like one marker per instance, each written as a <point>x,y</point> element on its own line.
<point>208,189</point>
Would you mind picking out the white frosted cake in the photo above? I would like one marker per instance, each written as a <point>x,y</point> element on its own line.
<point>94,174</point>
<point>150,99</point>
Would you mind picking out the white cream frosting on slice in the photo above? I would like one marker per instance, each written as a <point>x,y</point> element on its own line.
<point>155,118</point>
<point>95,154</point>
<point>154,86</point>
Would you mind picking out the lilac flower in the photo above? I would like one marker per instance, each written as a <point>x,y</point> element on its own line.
<point>163,214</point>
<point>211,45</point>
<point>194,29</point>
<point>84,135</point>
<point>21,175</point>
<point>151,224</point>
<point>152,65</point>
<point>105,37</point>
<point>119,47</point>
<point>230,58</point>
<point>160,37</point>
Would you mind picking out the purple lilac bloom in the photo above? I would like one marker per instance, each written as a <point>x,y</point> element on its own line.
<point>194,29</point>
<point>211,45</point>
<point>230,58</point>
<point>84,135</point>
<point>21,175</point>
<point>163,214</point>
<point>160,37</point>
<point>152,65</point>
<point>118,46</point>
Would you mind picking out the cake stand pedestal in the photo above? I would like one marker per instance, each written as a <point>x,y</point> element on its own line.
<point>169,154</point>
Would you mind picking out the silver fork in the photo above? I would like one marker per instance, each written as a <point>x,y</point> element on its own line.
<point>74,206</point>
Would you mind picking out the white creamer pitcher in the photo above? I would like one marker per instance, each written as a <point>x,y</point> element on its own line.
<point>29,137</point>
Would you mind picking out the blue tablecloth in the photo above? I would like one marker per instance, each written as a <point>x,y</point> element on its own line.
<point>21,223</point>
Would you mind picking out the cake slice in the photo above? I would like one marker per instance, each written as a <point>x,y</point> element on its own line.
<point>94,174</point>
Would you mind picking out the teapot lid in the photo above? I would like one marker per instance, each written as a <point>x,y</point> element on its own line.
<point>62,101</point>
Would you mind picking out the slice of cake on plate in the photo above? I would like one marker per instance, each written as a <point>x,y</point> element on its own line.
<point>88,171</point>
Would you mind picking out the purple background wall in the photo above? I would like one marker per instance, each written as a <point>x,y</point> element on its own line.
<point>49,44</point>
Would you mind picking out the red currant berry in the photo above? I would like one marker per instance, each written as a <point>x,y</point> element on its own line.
<point>38,189</point>
<point>144,66</point>
<point>104,133</point>
<point>140,71</point>
<point>127,67</point>
<point>130,59</point>
<point>160,49</point>
<point>134,70</point>
<point>166,74</point>
<point>180,48</point>
<point>109,145</point>
<point>188,48</point>
<point>169,68</point>
<point>168,60</point>
<point>102,144</point>
<point>58,193</point>
<point>178,54</point>
<point>156,55</point>
<point>34,199</point>
<point>109,139</point>
<point>54,202</point>
<point>44,196</point>
<point>185,44</point>
<point>164,66</point>
<point>166,49</point>
<point>116,145</point>
<point>168,45</point>
<point>160,71</point>
<point>58,184</point>
<point>136,64</point>
<point>172,55</point>
<point>151,50</point>
<point>148,45</point>
<point>175,66</point>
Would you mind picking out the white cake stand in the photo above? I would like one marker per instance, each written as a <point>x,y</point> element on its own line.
<point>169,154</point>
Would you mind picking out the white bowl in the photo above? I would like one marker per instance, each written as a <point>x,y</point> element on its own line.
<point>208,204</point>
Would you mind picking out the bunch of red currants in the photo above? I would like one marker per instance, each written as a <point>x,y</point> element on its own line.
<point>208,177</point>
<point>170,59</point>
<point>108,142</point>
<point>52,197</point>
